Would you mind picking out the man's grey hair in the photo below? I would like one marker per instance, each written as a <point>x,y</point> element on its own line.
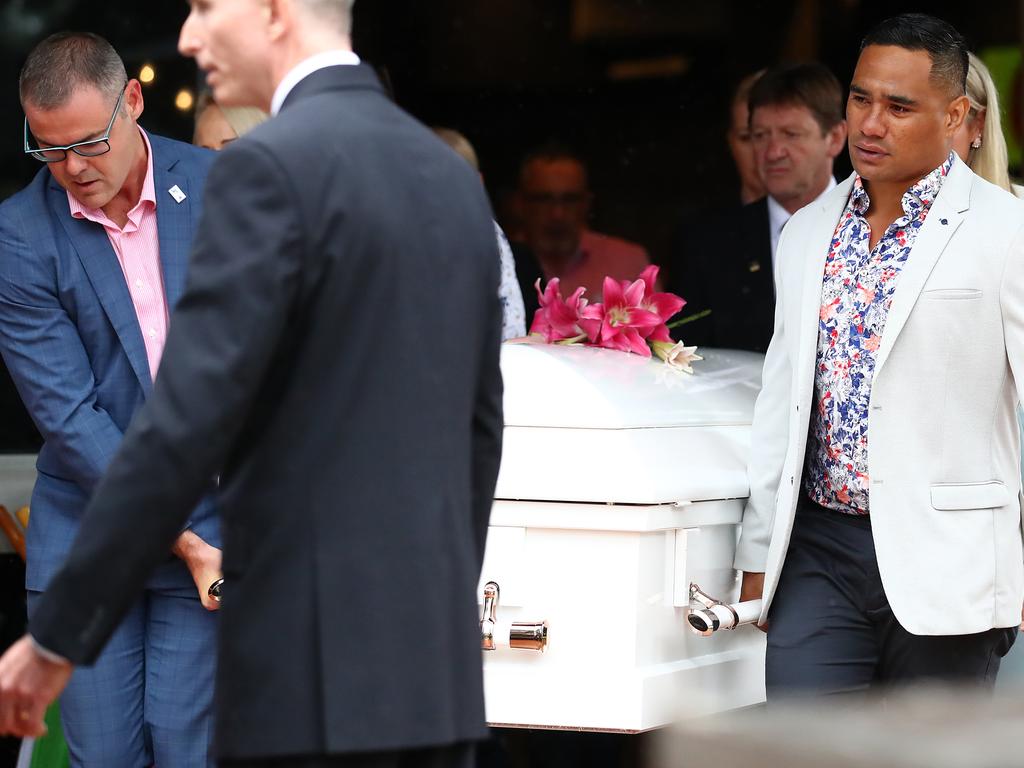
<point>341,10</point>
<point>66,61</point>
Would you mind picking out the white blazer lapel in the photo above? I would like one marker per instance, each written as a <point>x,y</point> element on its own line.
<point>946,214</point>
<point>817,244</point>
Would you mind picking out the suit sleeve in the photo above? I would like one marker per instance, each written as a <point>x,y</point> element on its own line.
<point>488,423</point>
<point>769,434</point>
<point>242,284</point>
<point>48,362</point>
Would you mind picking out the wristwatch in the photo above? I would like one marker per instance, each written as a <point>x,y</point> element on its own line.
<point>214,590</point>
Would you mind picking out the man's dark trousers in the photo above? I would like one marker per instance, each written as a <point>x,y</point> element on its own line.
<point>831,630</point>
<point>452,756</point>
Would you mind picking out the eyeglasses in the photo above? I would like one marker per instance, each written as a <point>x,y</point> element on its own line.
<point>568,200</point>
<point>91,148</point>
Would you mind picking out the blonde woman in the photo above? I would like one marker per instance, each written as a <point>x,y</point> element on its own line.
<point>980,141</point>
<point>217,125</point>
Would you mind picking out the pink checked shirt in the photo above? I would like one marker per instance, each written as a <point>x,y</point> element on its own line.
<point>138,251</point>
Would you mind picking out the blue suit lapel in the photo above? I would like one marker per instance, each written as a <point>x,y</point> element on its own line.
<point>107,278</point>
<point>174,220</point>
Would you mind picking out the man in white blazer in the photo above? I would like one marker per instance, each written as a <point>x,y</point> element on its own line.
<point>884,523</point>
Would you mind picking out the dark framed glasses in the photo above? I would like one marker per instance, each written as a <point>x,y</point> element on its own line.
<point>90,148</point>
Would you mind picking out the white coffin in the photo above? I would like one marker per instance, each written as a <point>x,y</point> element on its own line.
<point>621,482</point>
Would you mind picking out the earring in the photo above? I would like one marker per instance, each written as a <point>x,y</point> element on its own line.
<point>976,144</point>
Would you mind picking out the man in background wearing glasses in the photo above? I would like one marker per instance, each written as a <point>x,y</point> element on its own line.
<point>92,260</point>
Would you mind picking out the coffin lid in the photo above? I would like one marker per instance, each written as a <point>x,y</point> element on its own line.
<point>548,385</point>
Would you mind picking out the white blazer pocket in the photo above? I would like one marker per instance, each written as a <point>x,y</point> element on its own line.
<point>984,495</point>
<point>952,294</point>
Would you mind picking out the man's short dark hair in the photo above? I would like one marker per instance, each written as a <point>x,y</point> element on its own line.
<point>809,85</point>
<point>65,61</point>
<point>549,153</point>
<point>920,32</point>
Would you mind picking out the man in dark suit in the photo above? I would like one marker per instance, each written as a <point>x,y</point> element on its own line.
<point>725,261</point>
<point>92,260</point>
<point>356,478</point>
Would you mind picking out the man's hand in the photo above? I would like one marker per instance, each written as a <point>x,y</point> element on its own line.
<point>29,682</point>
<point>752,588</point>
<point>203,563</point>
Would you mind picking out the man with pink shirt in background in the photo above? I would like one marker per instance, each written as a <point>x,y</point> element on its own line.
<point>93,256</point>
<point>555,201</point>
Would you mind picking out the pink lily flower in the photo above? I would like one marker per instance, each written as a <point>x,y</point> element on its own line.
<point>558,320</point>
<point>620,321</point>
<point>663,304</point>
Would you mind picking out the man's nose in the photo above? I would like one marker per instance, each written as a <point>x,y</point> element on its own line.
<point>873,123</point>
<point>187,43</point>
<point>74,163</point>
<point>775,149</point>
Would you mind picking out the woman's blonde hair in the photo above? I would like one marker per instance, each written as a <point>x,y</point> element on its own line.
<point>241,119</point>
<point>990,160</point>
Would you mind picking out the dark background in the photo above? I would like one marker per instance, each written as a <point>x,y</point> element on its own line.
<point>639,87</point>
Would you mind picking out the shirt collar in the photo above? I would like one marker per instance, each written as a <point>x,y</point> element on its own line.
<point>777,216</point>
<point>147,197</point>
<point>917,199</point>
<point>305,68</point>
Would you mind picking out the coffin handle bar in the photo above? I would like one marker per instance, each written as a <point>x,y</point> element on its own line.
<point>489,620</point>
<point>711,615</point>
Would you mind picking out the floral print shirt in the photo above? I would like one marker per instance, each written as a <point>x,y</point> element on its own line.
<point>513,312</point>
<point>856,294</point>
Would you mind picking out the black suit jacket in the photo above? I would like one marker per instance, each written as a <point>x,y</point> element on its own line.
<point>335,359</point>
<point>722,261</point>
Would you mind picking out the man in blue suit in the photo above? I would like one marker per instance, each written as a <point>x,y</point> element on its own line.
<point>93,255</point>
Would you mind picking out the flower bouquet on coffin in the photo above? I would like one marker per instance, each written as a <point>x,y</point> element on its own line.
<point>633,317</point>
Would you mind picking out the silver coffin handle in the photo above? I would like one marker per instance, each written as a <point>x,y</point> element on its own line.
<point>710,615</point>
<point>489,620</point>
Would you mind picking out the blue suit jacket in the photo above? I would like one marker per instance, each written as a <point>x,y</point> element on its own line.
<point>71,340</point>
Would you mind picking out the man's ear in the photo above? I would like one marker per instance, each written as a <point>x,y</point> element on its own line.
<point>956,114</point>
<point>836,139</point>
<point>133,100</point>
<point>278,15</point>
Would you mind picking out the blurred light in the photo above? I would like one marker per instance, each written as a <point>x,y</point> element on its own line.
<point>147,74</point>
<point>184,100</point>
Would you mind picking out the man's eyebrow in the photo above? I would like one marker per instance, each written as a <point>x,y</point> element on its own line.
<point>906,101</point>
<point>95,136</point>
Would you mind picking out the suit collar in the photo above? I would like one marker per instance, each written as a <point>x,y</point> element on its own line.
<point>304,69</point>
<point>94,251</point>
<point>824,214</point>
<point>333,78</point>
<point>90,241</point>
<point>946,214</point>
<point>174,220</point>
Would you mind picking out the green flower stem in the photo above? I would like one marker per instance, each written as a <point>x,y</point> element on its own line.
<point>689,318</point>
